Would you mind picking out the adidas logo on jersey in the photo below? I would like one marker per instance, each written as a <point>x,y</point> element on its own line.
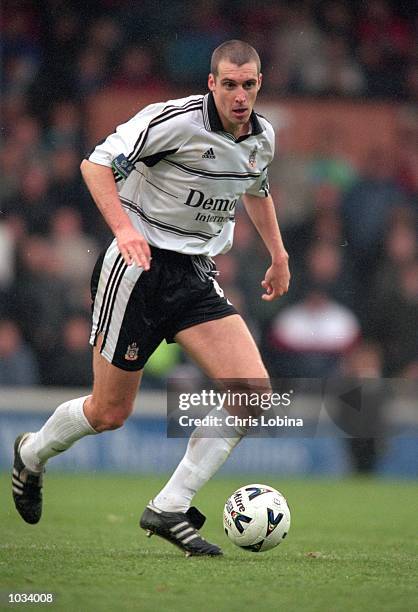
<point>209,154</point>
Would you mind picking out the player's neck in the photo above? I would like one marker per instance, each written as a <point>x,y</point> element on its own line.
<point>238,130</point>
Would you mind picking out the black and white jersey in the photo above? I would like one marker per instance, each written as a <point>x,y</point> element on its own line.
<point>180,175</point>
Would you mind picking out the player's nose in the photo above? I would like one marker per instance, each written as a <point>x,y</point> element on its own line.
<point>241,96</point>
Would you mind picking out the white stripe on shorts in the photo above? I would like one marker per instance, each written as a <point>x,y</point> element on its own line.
<point>115,286</point>
<point>103,290</point>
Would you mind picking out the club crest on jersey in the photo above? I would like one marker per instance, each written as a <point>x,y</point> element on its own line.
<point>132,352</point>
<point>252,158</point>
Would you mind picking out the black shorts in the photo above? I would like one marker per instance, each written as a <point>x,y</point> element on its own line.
<point>135,310</point>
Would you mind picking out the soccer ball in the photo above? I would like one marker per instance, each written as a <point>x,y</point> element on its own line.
<point>256,517</point>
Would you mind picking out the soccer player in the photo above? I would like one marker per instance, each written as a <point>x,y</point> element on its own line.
<point>167,182</point>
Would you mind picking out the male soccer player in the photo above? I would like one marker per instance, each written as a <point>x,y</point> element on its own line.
<point>167,182</point>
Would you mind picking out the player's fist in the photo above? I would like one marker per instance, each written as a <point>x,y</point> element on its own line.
<point>133,247</point>
<point>276,280</point>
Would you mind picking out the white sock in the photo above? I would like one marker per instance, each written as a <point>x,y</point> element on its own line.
<point>203,458</point>
<point>66,425</point>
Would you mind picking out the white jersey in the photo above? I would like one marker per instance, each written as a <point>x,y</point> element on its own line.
<point>180,175</point>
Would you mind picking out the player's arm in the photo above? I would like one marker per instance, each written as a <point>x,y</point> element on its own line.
<point>263,215</point>
<point>101,184</point>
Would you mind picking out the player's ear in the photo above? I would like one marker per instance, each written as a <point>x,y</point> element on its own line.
<point>211,82</point>
<point>260,80</point>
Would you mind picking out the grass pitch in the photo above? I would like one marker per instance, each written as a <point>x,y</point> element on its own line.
<point>352,545</point>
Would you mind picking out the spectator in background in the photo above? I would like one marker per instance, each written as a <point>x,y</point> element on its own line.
<point>324,267</point>
<point>40,295</point>
<point>365,212</point>
<point>11,162</point>
<point>407,150</point>
<point>19,73</point>
<point>54,80</point>
<point>261,27</point>
<point>395,324</point>
<point>66,190</point>
<point>293,183</point>
<point>322,221</point>
<point>330,164</point>
<point>331,71</point>
<point>105,34</point>
<point>92,71</point>
<point>136,70</point>
<point>65,127</point>
<point>7,260</point>
<point>26,136</point>
<point>336,19</point>
<point>411,81</point>
<point>13,107</point>
<point>385,41</point>
<point>411,370</point>
<point>326,222</point>
<point>74,253</point>
<point>297,42</point>
<point>18,366</point>
<point>384,29</point>
<point>72,348</point>
<point>382,79</point>
<point>21,48</point>
<point>204,29</point>
<point>400,248</point>
<point>65,186</point>
<point>32,203</point>
<point>309,338</point>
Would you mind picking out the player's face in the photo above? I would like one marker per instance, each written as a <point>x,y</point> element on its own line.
<point>235,91</point>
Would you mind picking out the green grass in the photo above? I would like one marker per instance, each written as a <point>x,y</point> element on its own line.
<point>352,545</point>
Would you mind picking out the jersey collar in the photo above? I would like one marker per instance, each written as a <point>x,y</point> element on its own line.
<point>213,122</point>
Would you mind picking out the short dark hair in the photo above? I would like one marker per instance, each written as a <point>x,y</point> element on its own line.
<point>237,52</point>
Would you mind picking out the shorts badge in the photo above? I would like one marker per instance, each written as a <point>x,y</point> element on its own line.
<point>132,352</point>
<point>251,160</point>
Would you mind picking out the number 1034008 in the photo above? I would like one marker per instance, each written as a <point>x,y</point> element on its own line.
<point>18,598</point>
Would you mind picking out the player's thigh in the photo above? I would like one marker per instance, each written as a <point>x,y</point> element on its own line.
<point>114,389</point>
<point>223,348</point>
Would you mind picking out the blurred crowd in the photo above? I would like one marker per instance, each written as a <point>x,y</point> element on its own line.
<point>353,304</point>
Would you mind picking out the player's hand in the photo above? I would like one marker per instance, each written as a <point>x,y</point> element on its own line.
<point>133,247</point>
<point>276,280</point>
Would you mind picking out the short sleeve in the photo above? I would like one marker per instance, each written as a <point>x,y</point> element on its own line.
<point>156,130</point>
<point>261,187</point>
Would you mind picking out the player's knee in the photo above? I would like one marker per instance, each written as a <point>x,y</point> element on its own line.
<point>249,386</point>
<point>107,422</point>
<point>108,415</point>
<point>249,397</point>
